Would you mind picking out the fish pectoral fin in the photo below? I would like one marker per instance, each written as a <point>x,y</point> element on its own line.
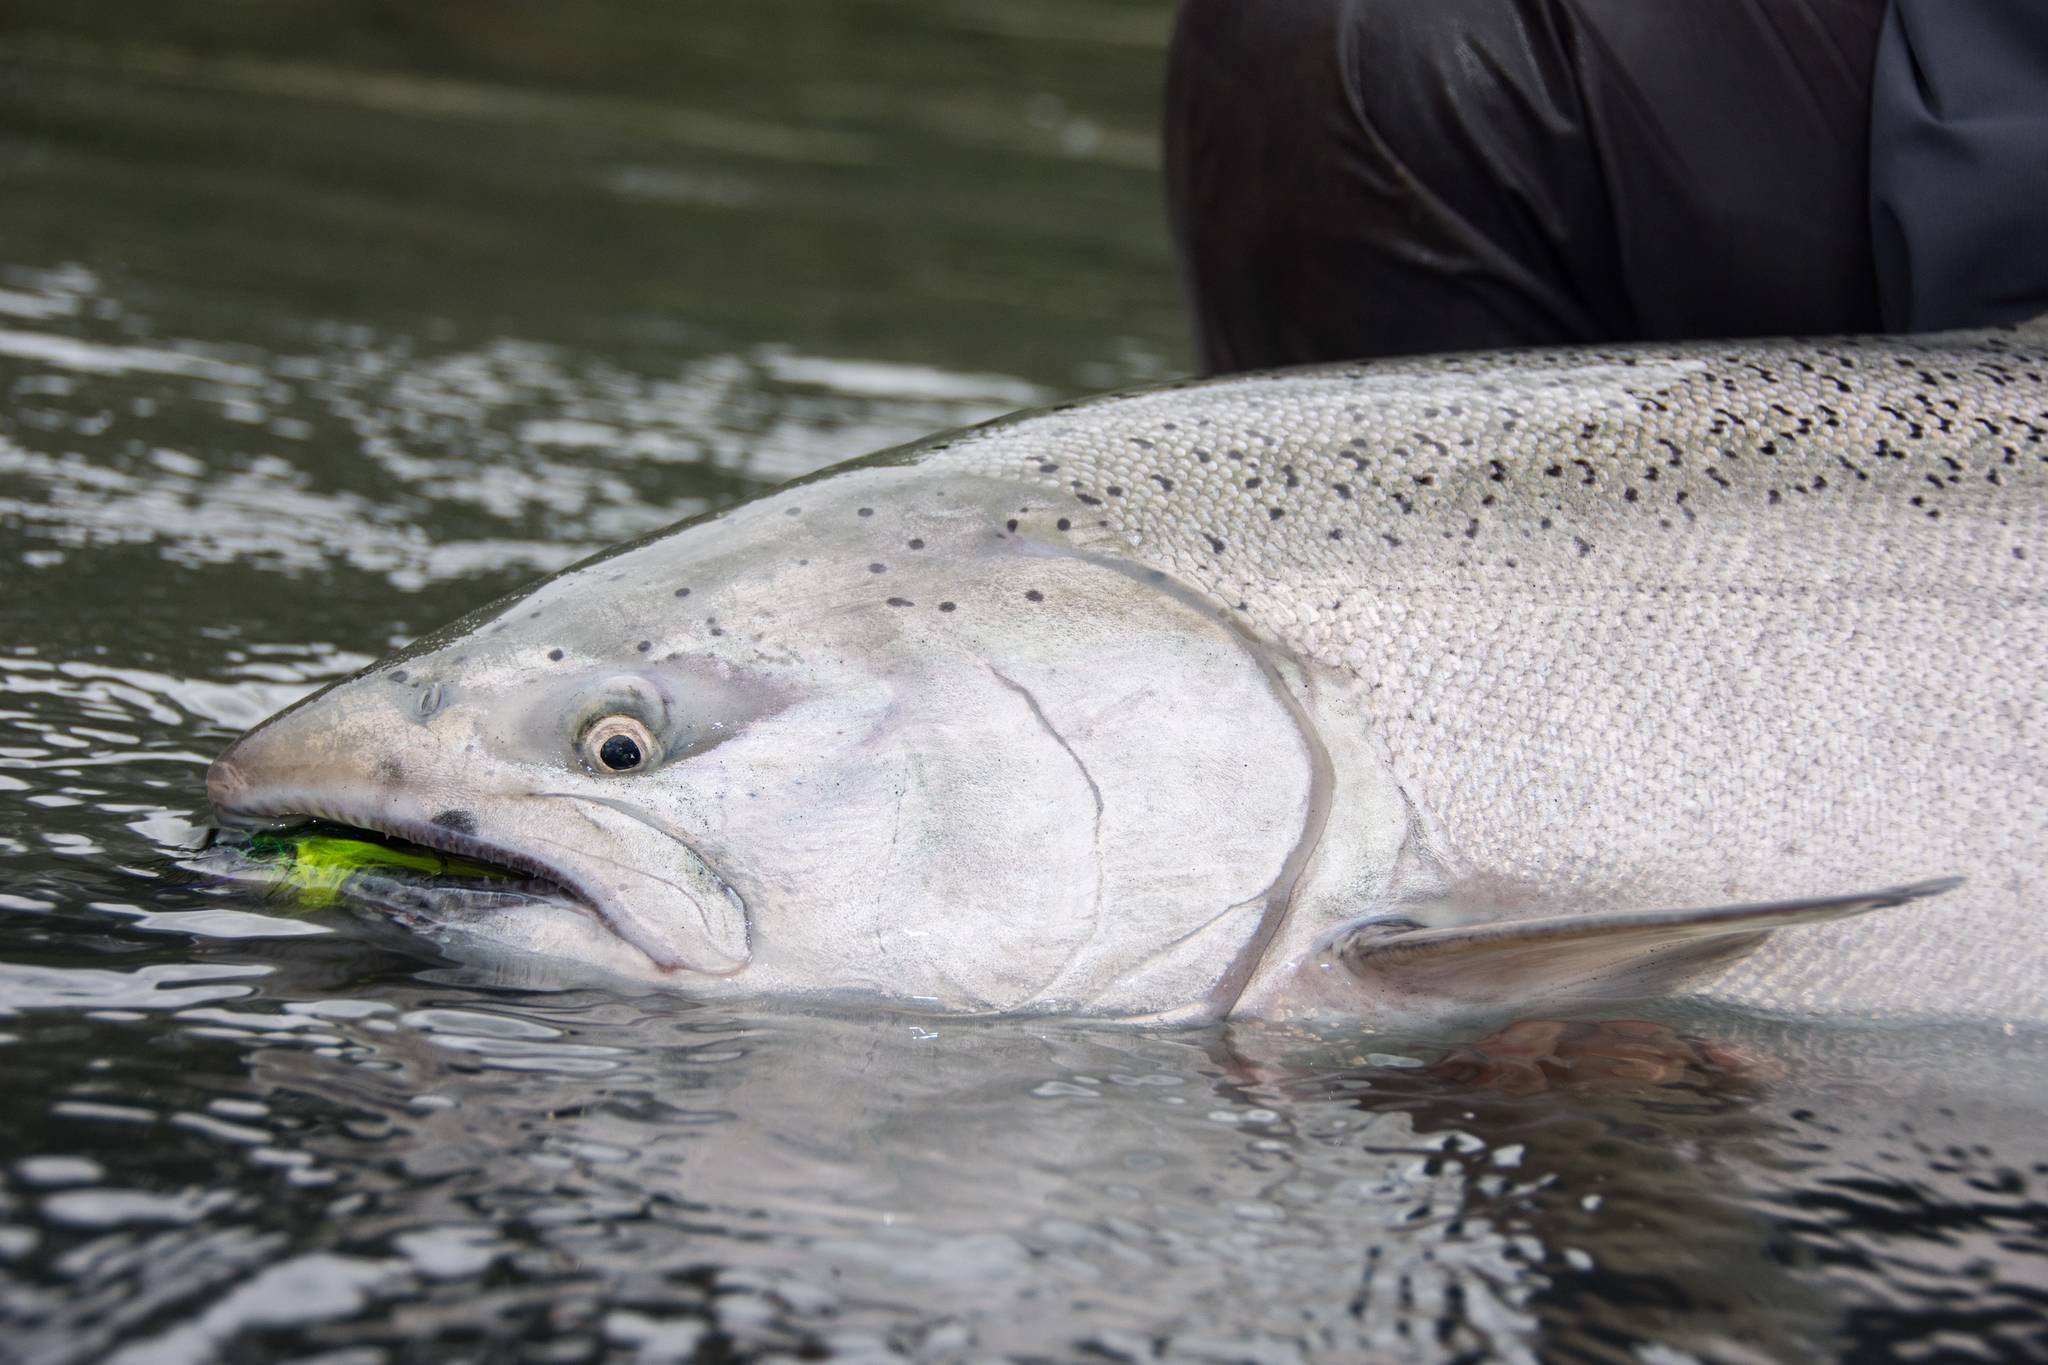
<point>1602,955</point>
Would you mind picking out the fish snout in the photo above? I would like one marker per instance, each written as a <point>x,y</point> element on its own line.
<point>243,784</point>
<point>295,757</point>
<point>226,787</point>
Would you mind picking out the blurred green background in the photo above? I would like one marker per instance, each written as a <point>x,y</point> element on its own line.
<point>964,183</point>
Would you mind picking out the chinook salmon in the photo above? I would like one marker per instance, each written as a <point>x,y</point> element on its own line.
<point>1458,681</point>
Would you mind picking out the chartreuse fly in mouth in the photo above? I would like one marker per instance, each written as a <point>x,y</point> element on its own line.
<point>311,867</point>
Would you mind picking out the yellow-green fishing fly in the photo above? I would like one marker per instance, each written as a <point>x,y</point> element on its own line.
<point>314,869</point>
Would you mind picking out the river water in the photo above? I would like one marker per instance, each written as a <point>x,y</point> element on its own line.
<point>320,324</point>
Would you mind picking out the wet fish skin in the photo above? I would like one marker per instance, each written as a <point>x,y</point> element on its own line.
<point>1655,625</point>
<point>1514,633</point>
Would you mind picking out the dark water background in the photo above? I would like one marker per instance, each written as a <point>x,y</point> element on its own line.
<point>320,323</point>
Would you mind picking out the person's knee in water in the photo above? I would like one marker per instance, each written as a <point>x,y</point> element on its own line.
<point>1351,178</point>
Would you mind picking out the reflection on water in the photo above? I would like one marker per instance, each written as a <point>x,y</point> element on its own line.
<point>427,1165</point>
<point>321,324</point>
<point>418,466</point>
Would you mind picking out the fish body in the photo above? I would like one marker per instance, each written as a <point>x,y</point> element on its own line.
<point>1193,701</point>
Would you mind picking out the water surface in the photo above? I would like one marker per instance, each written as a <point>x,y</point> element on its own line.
<point>320,324</point>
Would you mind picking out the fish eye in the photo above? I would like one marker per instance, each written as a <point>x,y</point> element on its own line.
<point>620,744</point>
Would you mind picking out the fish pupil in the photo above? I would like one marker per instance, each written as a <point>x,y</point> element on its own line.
<point>620,753</point>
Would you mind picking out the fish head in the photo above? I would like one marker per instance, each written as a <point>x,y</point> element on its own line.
<point>859,736</point>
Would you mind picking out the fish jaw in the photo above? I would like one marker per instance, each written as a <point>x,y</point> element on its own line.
<point>638,880</point>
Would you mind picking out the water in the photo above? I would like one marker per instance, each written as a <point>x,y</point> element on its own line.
<point>320,324</point>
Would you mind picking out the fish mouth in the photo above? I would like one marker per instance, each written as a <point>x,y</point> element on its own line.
<point>532,879</point>
<point>529,873</point>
